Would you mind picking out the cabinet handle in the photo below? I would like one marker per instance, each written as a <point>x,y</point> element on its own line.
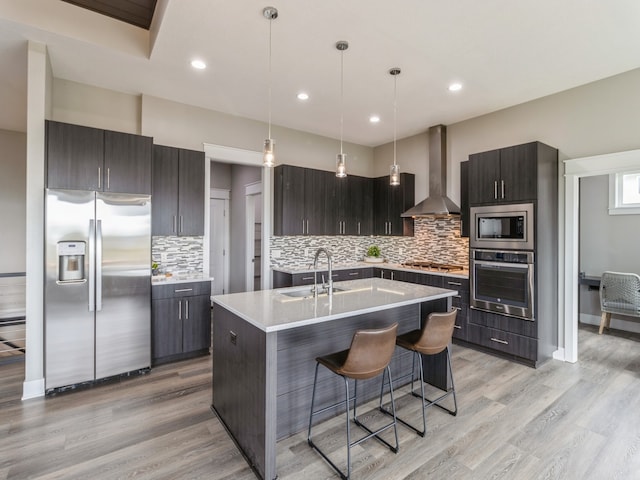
<point>307,278</point>
<point>495,189</point>
<point>381,273</point>
<point>354,273</point>
<point>307,226</point>
<point>458,327</point>
<point>454,283</point>
<point>108,178</point>
<point>391,275</point>
<point>186,310</point>
<point>99,179</point>
<point>183,290</point>
<point>175,224</point>
<point>303,226</point>
<point>334,275</point>
<point>181,223</point>
<point>504,342</point>
<point>358,228</point>
<point>502,187</point>
<point>179,309</point>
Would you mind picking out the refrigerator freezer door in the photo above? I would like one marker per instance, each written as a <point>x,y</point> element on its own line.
<point>69,323</point>
<point>123,322</point>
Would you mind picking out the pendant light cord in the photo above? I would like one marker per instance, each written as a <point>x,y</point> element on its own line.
<point>341,97</point>
<point>395,115</point>
<point>270,22</point>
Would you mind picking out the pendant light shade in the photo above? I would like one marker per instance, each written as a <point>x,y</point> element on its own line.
<point>268,152</point>
<point>341,158</point>
<point>394,175</point>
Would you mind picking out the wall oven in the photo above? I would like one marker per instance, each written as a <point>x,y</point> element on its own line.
<point>502,282</point>
<point>502,226</point>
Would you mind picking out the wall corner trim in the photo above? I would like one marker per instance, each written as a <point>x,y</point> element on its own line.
<point>33,389</point>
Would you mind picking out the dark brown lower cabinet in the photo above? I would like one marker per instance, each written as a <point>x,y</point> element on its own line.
<point>180,321</point>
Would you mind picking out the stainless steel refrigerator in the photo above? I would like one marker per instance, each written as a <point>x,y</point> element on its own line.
<point>97,285</point>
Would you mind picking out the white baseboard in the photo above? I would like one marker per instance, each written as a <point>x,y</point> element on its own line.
<point>617,322</point>
<point>33,389</point>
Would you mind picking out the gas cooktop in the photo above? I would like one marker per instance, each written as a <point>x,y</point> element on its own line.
<point>433,266</point>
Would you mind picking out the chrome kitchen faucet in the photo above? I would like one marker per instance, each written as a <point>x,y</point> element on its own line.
<point>329,285</point>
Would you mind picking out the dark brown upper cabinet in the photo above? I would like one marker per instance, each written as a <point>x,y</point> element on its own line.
<point>85,158</point>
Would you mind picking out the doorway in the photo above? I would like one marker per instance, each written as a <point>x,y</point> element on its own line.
<point>219,241</point>
<point>574,170</point>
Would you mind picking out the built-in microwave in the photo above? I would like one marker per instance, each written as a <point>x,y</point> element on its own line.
<point>502,226</point>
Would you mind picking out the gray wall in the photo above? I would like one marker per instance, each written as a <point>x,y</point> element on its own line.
<point>13,171</point>
<point>240,177</point>
<point>607,242</point>
<point>220,175</point>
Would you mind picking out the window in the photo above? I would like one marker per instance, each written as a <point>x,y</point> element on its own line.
<point>624,193</point>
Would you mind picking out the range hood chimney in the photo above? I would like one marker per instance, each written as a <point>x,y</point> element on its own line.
<point>437,203</point>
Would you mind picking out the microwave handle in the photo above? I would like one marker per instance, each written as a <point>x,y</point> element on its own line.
<point>498,265</point>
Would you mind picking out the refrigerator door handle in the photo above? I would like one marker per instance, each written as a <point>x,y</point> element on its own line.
<point>98,265</point>
<point>92,265</point>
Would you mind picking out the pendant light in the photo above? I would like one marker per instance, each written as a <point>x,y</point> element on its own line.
<point>341,158</point>
<point>394,176</point>
<point>268,154</point>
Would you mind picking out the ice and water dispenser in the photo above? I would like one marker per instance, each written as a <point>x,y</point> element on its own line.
<point>71,262</point>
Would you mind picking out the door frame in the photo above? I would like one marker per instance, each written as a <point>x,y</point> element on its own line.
<point>569,269</point>
<point>221,194</point>
<point>239,156</point>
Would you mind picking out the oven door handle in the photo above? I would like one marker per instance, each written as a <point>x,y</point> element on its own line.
<point>499,265</point>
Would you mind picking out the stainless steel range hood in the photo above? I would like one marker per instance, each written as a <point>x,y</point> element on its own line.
<point>437,203</point>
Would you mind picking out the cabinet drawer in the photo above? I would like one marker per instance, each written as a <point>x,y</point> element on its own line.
<point>460,327</point>
<point>176,290</point>
<point>518,326</point>
<point>506,342</point>
<point>455,283</point>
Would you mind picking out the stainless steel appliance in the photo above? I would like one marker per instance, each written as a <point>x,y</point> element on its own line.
<point>502,226</point>
<point>97,285</point>
<point>502,282</point>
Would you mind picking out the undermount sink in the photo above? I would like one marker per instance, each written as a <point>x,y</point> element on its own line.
<point>307,292</point>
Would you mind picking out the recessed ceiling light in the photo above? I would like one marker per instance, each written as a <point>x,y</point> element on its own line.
<point>454,87</point>
<point>198,64</point>
<point>303,96</point>
<point>374,118</point>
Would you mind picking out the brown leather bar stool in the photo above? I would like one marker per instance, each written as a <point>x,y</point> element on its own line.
<point>433,338</point>
<point>367,357</point>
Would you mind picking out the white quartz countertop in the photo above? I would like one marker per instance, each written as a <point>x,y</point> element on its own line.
<point>390,266</point>
<point>164,280</point>
<point>273,310</point>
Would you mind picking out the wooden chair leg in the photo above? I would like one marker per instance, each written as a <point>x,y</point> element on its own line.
<point>604,321</point>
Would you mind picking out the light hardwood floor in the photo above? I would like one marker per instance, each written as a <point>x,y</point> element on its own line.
<point>561,421</point>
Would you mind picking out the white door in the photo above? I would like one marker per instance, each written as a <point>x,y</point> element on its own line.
<point>218,245</point>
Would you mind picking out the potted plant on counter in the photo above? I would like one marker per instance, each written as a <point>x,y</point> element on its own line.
<point>373,255</point>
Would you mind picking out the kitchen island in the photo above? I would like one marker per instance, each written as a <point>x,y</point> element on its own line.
<point>265,344</point>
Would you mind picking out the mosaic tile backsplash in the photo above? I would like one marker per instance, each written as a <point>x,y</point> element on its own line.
<point>435,239</point>
<point>183,254</point>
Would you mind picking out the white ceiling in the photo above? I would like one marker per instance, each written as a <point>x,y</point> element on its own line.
<point>504,52</point>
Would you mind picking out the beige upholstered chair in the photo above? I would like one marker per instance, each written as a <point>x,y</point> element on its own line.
<point>619,293</point>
